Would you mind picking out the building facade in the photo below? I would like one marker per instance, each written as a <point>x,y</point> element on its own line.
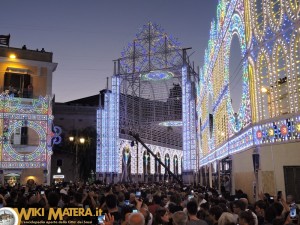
<point>258,145</point>
<point>26,115</point>
<point>76,118</point>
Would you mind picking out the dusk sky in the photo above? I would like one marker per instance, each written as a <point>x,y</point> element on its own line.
<point>85,36</point>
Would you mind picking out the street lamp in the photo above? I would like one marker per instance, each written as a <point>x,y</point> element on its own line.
<point>76,141</point>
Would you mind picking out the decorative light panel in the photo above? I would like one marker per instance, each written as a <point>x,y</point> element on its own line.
<point>157,75</point>
<point>172,123</point>
<point>32,113</point>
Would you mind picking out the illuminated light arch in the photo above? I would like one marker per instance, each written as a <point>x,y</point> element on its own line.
<point>252,90</point>
<point>237,28</point>
<point>292,8</point>
<point>36,155</point>
<point>275,16</point>
<point>295,71</point>
<point>280,55</point>
<point>248,29</point>
<point>263,63</point>
<point>259,19</point>
<point>33,113</point>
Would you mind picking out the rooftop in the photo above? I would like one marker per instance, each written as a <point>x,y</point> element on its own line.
<point>23,53</point>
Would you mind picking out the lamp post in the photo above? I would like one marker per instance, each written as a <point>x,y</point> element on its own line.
<point>76,141</point>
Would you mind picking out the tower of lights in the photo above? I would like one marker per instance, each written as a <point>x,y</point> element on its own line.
<point>151,96</point>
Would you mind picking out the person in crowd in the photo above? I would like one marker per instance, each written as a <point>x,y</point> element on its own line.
<point>176,198</point>
<point>147,215</point>
<point>246,218</point>
<point>161,216</point>
<point>180,218</point>
<point>237,207</point>
<point>30,90</point>
<point>260,207</point>
<point>136,219</point>
<point>112,208</point>
<point>214,213</point>
<point>227,218</point>
<point>192,208</point>
<point>53,199</point>
<point>201,199</point>
<point>2,201</point>
<point>203,213</point>
<point>245,200</point>
<point>156,204</point>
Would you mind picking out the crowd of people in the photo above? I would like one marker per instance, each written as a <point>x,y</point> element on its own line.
<point>152,204</point>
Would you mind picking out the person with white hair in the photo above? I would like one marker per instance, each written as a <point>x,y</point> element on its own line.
<point>253,214</point>
<point>136,219</point>
<point>180,218</point>
<point>226,219</point>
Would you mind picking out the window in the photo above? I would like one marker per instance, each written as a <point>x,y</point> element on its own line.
<point>17,83</point>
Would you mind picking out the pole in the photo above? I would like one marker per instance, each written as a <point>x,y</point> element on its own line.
<point>137,161</point>
<point>76,160</point>
<point>137,138</point>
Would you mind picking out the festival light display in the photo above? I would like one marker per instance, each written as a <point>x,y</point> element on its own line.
<point>108,157</point>
<point>151,90</point>
<point>268,33</point>
<point>188,117</point>
<point>157,75</point>
<point>163,151</point>
<point>171,123</point>
<point>32,113</point>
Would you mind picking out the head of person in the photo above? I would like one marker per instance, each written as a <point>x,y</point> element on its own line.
<point>226,219</point>
<point>172,207</point>
<point>246,218</point>
<point>146,214</point>
<point>204,206</point>
<point>260,207</point>
<point>111,201</point>
<point>270,214</point>
<point>245,200</point>
<point>215,212</point>
<point>289,199</point>
<point>117,188</point>
<point>200,197</point>
<point>239,206</point>
<point>136,219</point>
<point>161,216</point>
<point>132,198</point>
<point>53,199</point>
<point>180,218</point>
<point>176,198</point>
<point>121,197</point>
<point>77,197</point>
<point>278,208</point>
<point>192,207</point>
<point>157,199</point>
